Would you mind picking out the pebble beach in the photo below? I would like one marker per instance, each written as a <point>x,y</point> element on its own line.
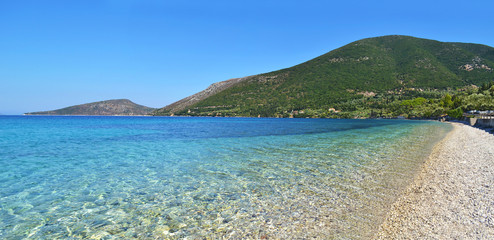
<point>452,196</point>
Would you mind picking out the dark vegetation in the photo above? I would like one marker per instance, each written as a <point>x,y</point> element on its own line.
<point>387,76</point>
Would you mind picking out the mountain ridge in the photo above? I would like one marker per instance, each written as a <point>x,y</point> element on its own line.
<point>379,65</point>
<point>113,107</point>
<point>209,91</point>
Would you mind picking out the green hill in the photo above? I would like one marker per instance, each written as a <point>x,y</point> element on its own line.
<point>121,107</point>
<point>347,79</point>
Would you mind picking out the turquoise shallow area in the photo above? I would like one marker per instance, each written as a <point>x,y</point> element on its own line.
<point>171,178</point>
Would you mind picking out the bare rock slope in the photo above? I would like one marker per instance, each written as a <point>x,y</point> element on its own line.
<point>210,91</point>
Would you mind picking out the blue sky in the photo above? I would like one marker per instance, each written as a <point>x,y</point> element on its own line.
<point>55,54</point>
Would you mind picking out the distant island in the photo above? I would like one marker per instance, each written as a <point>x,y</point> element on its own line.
<point>120,107</point>
<point>389,76</point>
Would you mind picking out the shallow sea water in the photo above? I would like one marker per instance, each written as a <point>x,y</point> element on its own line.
<point>197,178</point>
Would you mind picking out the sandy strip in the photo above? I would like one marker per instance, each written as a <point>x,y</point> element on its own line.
<point>452,197</point>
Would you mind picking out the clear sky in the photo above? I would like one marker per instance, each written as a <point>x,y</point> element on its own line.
<point>55,54</point>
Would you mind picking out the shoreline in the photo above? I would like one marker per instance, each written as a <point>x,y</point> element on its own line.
<point>452,195</point>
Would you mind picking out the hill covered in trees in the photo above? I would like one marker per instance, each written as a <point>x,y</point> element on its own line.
<point>123,107</point>
<point>376,77</point>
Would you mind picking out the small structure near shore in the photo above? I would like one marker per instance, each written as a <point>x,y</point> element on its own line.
<point>480,118</point>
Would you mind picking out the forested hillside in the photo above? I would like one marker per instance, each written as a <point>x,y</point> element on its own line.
<point>374,77</point>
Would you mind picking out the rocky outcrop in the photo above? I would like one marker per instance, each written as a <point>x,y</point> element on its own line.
<point>475,64</point>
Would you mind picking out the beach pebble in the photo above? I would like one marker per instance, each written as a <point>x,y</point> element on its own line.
<point>451,197</point>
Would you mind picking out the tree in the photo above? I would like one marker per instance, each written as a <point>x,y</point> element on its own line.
<point>455,113</point>
<point>456,101</point>
<point>446,102</point>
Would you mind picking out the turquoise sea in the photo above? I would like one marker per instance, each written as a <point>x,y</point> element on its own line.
<point>220,178</point>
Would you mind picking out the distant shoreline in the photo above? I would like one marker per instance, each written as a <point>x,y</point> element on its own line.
<point>185,116</point>
<point>69,115</point>
<point>451,196</point>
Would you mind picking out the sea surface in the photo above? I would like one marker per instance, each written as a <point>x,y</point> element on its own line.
<point>79,177</point>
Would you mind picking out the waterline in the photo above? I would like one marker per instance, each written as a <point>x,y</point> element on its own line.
<point>196,177</point>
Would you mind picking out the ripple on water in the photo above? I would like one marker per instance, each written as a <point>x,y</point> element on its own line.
<point>124,178</point>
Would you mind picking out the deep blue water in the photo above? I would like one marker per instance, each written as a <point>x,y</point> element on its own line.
<point>170,178</point>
